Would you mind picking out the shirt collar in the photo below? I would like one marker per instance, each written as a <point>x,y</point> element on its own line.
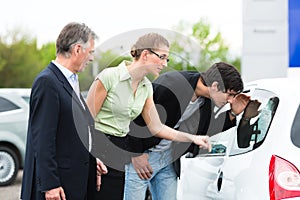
<point>66,72</point>
<point>124,73</point>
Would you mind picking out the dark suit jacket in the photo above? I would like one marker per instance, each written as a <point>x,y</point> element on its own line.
<point>173,92</point>
<point>57,140</point>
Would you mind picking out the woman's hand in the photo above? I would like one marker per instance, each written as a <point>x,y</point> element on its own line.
<point>202,141</point>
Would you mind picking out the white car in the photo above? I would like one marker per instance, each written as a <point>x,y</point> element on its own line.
<point>267,168</point>
<point>14,113</point>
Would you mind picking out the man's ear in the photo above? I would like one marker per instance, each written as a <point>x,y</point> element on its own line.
<point>77,48</point>
<point>214,86</point>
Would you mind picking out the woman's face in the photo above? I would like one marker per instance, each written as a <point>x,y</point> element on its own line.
<point>157,59</point>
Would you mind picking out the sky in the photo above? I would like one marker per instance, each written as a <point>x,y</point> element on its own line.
<point>44,19</point>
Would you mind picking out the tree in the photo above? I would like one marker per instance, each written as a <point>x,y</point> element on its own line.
<point>47,52</point>
<point>20,59</point>
<point>202,50</point>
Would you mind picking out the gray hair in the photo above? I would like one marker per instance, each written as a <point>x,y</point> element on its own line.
<point>73,33</point>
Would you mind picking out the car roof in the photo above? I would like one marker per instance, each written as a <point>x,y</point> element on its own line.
<point>17,92</point>
<point>280,86</point>
<point>19,96</point>
<point>20,91</point>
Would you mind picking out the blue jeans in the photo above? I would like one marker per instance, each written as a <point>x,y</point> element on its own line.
<point>162,184</point>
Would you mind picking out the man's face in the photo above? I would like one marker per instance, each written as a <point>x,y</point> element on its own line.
<point>219,97</point>
<point>86,55</point>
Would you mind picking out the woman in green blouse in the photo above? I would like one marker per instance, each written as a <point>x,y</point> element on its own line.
<point>116,97</point>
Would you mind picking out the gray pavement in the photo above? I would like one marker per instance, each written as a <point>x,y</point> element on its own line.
<point>12,192</point>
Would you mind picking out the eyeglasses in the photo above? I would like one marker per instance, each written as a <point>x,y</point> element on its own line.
<point>162,57</point>
<point>232,94</point>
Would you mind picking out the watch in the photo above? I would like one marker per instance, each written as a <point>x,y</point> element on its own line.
<point>245,119</point>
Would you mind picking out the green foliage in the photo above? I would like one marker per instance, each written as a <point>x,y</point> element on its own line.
<point>21,60</point>
<point>212,48</point>
<point>2,59</point>
<point>102,60</point>
<point>110,59</point>
<point>47,52</point>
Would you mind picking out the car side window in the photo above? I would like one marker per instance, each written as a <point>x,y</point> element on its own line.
<point>248,134</point>
<point>264,121</point>
<point>252,134</point>
<point>295,136</point>
<point>6,105</point>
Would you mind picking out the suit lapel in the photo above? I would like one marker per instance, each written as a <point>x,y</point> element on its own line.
<point>66,84</point>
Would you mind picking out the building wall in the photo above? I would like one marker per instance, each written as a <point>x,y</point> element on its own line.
<point>265,39</point>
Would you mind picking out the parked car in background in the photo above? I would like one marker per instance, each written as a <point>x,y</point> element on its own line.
<point>266,168</point>
<point>14,113</point>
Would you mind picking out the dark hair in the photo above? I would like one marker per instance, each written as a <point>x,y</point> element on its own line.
<point>73,33</point>
<point>226,75</point>
<point>149,41</point>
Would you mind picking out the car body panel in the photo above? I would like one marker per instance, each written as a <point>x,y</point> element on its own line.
<point>14,123</point>
<point>244,172</point>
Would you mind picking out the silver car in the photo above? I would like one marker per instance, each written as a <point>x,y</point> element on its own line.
<point>14,113</point>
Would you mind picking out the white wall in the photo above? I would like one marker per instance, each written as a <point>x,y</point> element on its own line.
<point>265,39</point>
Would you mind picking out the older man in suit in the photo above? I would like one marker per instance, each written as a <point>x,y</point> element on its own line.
<point>58,164</point>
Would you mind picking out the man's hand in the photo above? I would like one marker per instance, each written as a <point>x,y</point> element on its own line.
<point>55,194</point>
<point>142,166</point>
<point>101,169</point>
<point>252,109</point>
<point>239,103</point>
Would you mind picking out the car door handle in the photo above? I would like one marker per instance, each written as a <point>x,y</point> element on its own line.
<point>220,180</point>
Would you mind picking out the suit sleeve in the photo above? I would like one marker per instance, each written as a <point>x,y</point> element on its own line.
<point>45,116</point>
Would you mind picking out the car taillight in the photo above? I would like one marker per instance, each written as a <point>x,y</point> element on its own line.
<point>284,179</point>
